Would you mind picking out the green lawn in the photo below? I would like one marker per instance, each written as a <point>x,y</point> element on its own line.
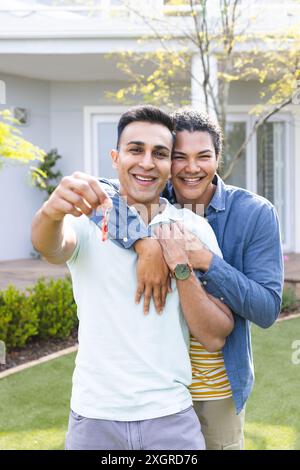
<point>273,410</point>
<point>34,403</point>
<point>34,406</point>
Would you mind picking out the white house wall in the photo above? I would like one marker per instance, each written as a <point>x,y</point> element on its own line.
<point>68,100</point>
<point>19,201</point>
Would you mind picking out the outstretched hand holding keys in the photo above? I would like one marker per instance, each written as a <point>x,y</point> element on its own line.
<point>77,194</point>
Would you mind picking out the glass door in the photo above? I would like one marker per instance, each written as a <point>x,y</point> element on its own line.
<point>100,137</point>
<point>104,140</point>
<point>271,168</point>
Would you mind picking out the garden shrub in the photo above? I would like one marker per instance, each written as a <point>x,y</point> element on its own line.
<point>290,301</point>
<point>55,308</point>
<point>46,310</point>
<point>5,318</point>
<point>18,319</point>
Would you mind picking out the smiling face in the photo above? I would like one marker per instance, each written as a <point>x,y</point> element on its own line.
<point>143,161</point>
<point>194,164</point>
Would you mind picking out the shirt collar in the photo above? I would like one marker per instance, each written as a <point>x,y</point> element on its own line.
<point>169,213</point>
<point>219,197</point>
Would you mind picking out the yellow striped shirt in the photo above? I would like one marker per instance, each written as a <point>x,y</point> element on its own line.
<point>210,380</point>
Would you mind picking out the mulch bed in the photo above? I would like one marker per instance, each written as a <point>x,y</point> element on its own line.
<point>38,348</point>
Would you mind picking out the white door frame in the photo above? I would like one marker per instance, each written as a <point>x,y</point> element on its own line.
<point>92,115</point>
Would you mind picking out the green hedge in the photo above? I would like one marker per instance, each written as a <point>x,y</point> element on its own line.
<point>47,310</point>
<point>290,301</point>
<point>18,320</point>
<point>55,308</point>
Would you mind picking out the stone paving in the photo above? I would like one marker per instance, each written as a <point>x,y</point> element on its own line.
<point>292,272</point>
<point>25,272</point>
<point>292,267</point>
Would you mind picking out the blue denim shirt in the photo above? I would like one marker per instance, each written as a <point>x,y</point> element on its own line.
<point>249,279</point>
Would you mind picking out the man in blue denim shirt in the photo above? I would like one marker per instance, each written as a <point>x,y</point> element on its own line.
<point>250,277</point>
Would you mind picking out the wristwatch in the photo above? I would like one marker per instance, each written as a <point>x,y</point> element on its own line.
<point>182,271</point>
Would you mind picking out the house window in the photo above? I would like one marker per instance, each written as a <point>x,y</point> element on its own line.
<point>106,140</point>
<point>235,136</point>
<point>271,138</point>
<point>264,166</point>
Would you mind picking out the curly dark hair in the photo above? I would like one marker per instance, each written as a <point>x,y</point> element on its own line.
<point>189,119</point>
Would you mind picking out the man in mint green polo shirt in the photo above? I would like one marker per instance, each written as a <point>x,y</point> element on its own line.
<point>130,385</point>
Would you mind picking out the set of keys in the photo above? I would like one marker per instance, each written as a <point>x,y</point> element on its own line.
<point>104,225</point>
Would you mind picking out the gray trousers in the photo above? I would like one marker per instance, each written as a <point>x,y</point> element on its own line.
<point>180,431</point>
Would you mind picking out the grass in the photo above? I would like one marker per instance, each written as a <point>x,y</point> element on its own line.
<point>273,412</point>
<point>34,406</point>
<point>34,403</point>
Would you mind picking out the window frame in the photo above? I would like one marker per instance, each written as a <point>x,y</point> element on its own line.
<point>241,114</point>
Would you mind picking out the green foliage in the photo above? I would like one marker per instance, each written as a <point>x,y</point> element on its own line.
<point>160,80</point>
<point>289,300</point>
<point>181,9</point>
<point>18,321</point>
<point>55,308</point>
<point>176,2</point>
<point>5,317</point>
<point>13,147</point>
<point>47,178</point>
<point>46,310</point>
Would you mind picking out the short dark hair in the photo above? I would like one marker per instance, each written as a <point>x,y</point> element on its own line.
<point>145,113</point>
<point>189,119</point>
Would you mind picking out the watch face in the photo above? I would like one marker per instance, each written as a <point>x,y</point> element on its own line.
<point>182,271</point>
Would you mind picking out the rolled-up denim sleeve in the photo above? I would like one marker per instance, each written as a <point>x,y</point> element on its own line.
<point>125,226</point>
<point>255,293</point>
